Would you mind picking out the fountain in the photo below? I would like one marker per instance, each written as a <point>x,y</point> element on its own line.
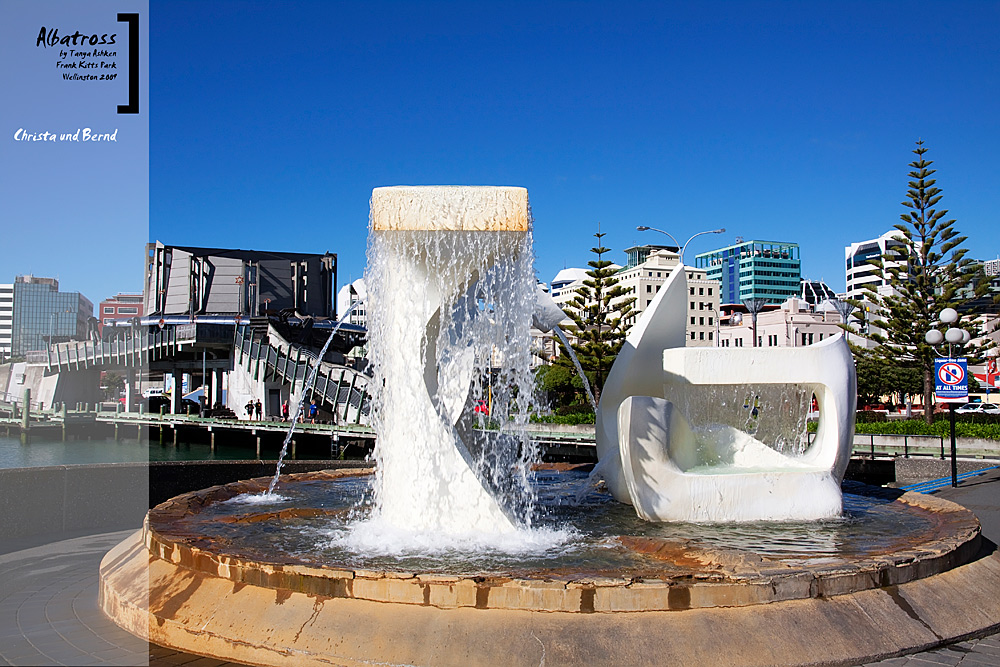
<point>454,552</point>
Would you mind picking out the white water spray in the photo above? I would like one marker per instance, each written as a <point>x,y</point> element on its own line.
<point>451,294</point>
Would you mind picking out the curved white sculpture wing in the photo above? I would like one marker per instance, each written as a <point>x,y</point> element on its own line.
<point>653,459</point>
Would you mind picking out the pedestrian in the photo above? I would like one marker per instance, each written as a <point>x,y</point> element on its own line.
<point>249,409</point>
<point>259,409</point>
<point>284,411</point>
<point>312,411</point>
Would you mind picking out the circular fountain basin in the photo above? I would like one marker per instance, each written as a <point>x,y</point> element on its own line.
<point>261,583</point>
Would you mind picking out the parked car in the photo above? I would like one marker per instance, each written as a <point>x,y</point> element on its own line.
<point>978,409</point>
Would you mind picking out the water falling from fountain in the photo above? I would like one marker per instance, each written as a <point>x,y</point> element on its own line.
<point>306,388</point>
<point>451,296</point>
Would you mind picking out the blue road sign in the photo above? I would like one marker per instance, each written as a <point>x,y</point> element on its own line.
<point>951,379</point>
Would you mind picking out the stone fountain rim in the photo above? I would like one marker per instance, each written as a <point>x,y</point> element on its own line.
<point>716,577</point>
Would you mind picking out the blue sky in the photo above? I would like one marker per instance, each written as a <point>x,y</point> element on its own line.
<point>77,211</point>
<point>271,122</point>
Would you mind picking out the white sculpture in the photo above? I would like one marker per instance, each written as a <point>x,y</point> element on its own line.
<point>670,470</point>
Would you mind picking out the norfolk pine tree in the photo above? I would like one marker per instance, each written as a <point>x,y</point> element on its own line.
<point>599,313</point>
<point>927,272</point>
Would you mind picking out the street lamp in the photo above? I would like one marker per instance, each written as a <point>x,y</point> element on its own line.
<point>644,228</point>
<point>953,336</point>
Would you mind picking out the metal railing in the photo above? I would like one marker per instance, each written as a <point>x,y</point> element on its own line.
<point>343,390</point>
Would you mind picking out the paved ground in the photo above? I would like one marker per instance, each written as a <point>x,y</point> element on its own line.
<point>49,613</point>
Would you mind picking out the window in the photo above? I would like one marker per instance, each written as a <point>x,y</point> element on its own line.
<point>701,291</point>
<point>701,321</point>
<point>692,305</point>
<point>692,335</point>
<point>692,320</point>
<point>649,288</point>
<point>109,310</point>
<point>701,335</point>
<point>128,311</point>
<point>701,305</point>
<point>109,320</point>
<point>710,321</point>
<point>692,291</point>
<point>710,291</point>
<point>710,335</point>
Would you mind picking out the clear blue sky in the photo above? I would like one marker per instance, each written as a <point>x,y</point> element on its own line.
<point>270,122</point>
<point>76,211</point>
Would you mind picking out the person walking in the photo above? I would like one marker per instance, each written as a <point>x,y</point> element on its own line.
<point>313,410</point>
<point>249,408</point>
<point>284,411</point>
<point>259,409</point>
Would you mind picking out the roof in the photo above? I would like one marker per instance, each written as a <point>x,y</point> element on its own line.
<point>569,275</point>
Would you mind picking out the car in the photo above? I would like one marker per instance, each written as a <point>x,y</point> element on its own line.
<point>978,408</point>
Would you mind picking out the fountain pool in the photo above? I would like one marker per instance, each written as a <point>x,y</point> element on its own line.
<point>454,550</point>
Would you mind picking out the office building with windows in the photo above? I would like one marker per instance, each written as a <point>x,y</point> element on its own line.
<point>123,306</point>
<point>769,270</point>
<point>646,271</point>
<point>42,314</point>
<point>859,269</point>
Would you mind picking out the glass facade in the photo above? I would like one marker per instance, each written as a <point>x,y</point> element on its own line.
<point>42,312</point>
<point>769,270</point>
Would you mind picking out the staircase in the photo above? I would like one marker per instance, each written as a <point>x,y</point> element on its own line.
<point>268,357</point>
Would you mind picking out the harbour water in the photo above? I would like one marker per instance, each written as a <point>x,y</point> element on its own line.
<point>52,452</point>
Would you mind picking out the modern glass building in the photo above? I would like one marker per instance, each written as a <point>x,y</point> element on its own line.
<point>769,270</point>
<point>42,314</point>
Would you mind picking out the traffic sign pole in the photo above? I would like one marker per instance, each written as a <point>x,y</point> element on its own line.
<point>954,454</point>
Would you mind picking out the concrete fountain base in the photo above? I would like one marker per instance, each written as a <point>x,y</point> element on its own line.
<point>174,587</point>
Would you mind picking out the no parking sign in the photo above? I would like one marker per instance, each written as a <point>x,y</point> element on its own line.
<point>951,379</point>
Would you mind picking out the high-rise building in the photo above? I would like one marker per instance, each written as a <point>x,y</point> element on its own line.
<point>42,314</point>
<point>769,270</point>
<point>6,320</point>
<point>860,272</point>
<point>123,306</point>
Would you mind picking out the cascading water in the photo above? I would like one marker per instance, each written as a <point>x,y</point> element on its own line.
<point>306,388</point>
<point>451,294</point>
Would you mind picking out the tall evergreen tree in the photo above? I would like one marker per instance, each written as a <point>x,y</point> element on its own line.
<point>927,271</point>
<point>599,311</point>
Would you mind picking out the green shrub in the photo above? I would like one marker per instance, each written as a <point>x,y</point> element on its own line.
<point>566,420</point>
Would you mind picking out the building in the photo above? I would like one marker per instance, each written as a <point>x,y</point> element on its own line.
<point>6,320</point>
<point>644,273</point>
<point>122,306</point>
<point>42,314</point>
<point>642,277</point>
<point>563,287</point>
<point>815,292</point>
<point>792,324</point>
<point>198,281</point>
<point>859,270</point>
<point>769,270</point>
<point>350,294</point>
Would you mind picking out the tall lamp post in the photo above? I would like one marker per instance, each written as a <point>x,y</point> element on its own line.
<point>950,369</point>
<point>644,228</point>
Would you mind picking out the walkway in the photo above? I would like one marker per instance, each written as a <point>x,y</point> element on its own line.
<point>49,613</point>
